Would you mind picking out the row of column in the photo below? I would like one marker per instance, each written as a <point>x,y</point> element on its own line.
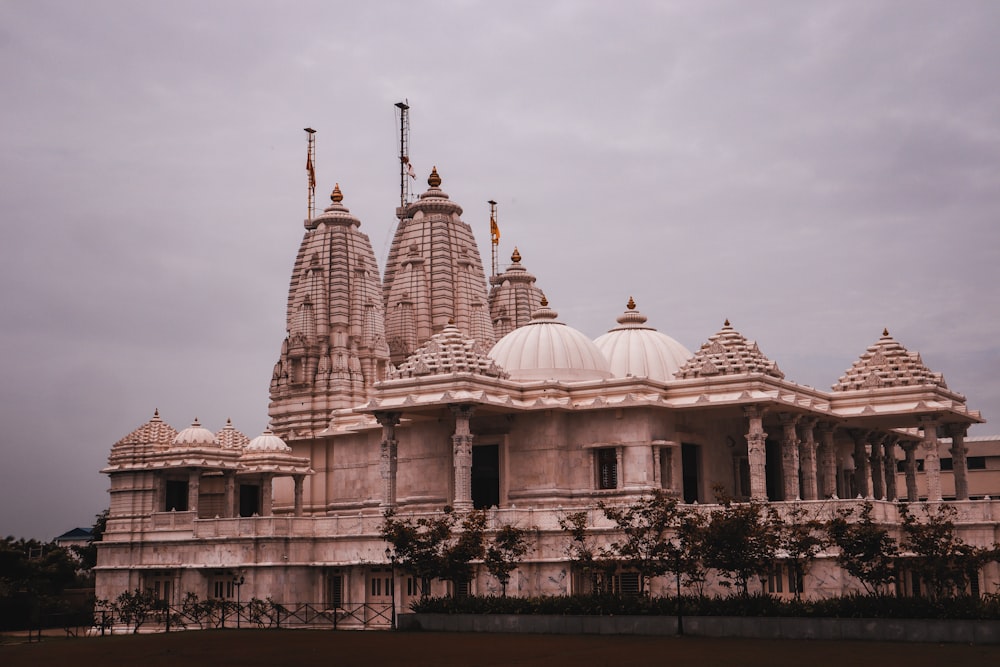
<point>229,502</point>
<point>461,442</point>
<point>874,459</point>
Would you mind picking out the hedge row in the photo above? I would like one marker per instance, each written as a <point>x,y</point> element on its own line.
<point>850,606</point>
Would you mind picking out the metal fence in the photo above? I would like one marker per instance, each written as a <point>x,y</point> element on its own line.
<point>256,614</point>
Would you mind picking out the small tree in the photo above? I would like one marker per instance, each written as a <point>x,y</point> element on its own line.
<point>581,551</point>
<point>940,558</point>
<point>740,542</point>
<point>866,550</point>
<point>502,556</point>
<point>432,547</point>
<point>683,556</point>
<point>134,608</point>
<point>645,526</point>
<point>801,539</point>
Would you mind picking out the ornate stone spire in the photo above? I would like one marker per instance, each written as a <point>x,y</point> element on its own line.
<point>728,353</point>
<point>434,273</point>
<point>888,364</point>
<point>335,348</point>
<point>513,297</point>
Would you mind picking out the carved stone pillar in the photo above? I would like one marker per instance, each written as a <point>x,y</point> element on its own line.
<point>932,460</point>
<point>462,456</point>
<point>861,475</point>
<point>889,466</point>
<point>229,504</point>
<point>959,464</point>
<point>807,459</point>
<point>387,457</point>
<point>827,461</point>
<point>789,456</point>
<point>266,495</point>
<point>194,489</point>
<point>878,481</point>
<point>910,469</point>
<point>298,479</point>
<point>756,451</point>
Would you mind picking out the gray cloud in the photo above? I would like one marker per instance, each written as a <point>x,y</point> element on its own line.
<point>813,172</point>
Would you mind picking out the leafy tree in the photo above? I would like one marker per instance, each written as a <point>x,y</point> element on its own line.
<point>502,556</point>
<point>33,576</point>
<point>739,542</point>
<point>866,550</point>
<point>940,558</point>
<point>801,538</point>
<point>136,607</point>
<point>683,554</point>
<point>586,559</point>
<point>645,527</point>
<point>438,547</point>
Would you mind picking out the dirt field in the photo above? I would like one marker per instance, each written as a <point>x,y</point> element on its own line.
<point>252,648</point>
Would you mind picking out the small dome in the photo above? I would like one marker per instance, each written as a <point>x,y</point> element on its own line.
<point>195,435</point>
<point>267,442</point>
<point>545,348</point>
<point>637,350</point>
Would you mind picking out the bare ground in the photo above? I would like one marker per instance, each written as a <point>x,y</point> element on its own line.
<point>252,648</point>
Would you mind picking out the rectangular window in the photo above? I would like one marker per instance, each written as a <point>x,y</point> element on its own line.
<point>176,496</point>
<point>607,468</point>
<point>946,464</point>
<point>976,463</point>
<point>416,587</point>
<point>335,589</point>
<point>462,589</point>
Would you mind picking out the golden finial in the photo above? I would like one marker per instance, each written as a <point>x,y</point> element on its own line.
<point>516,256</point>
<point>544,302</point>
<point>434,180</point>
<point>631,304</point>
<point>726,323</point>
<point>336,196</point>
<point>885,332</point>
<point>451,321</point>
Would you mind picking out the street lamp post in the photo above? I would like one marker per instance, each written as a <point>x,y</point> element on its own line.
<point>391,557</point>
<point>238,582</point>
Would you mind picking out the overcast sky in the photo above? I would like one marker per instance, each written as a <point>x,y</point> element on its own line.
<point>812,171</point>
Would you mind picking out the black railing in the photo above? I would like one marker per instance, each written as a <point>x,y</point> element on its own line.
<point>208,614</point>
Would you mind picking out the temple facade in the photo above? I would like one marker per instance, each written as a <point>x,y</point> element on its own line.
<point>435,386</point>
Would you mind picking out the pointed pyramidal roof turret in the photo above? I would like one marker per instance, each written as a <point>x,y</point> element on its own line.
<point>448,352</point>
<point>888,364</point>
<point>434,274</point>
<point>513,297</point>
<point>728,353</point>
<point>335,349</point>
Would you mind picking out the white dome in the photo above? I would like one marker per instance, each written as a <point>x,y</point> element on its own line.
<point>634,349</point>
<point>546,349</point>
<point>267,442</point>
<point>196,435</point>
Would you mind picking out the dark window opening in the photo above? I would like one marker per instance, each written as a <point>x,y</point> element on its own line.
<point>485,476</point>
<point>607,468</point>
<point>249,499</point>
<point>177,496</point>
<point>689,472</point>
<point>772,463</point>
<point>335,589</point>
<point>976,463</point>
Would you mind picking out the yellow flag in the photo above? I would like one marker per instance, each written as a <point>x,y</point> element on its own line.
<point>494,230</point>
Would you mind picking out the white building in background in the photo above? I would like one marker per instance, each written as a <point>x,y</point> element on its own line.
<point>434,386</point>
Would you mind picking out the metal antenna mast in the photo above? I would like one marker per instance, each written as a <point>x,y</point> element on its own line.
<point>494,235</point>
<point>311,171</point>
<point>405,168</point>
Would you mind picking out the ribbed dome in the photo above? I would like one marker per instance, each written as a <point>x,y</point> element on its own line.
<point>547,349</point>
<point>267,442</point>
<point>637,350</point>
<point>195,435</point>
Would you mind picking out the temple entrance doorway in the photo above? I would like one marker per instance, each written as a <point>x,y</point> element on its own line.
<point>485,476</point>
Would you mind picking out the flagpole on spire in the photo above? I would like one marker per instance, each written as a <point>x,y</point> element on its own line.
<point>494,236</point>
<point>311,172</point>
<point>405,167</point>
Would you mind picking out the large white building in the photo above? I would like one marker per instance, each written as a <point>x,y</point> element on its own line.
<point>433,385</point>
